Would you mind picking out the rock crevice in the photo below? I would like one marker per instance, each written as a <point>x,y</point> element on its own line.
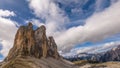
<point>34,43</point>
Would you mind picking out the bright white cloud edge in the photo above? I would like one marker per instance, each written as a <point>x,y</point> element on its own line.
<point>100,48</point>
<point>99,26</point>
<point>75,35</point>
<point>7,29</point>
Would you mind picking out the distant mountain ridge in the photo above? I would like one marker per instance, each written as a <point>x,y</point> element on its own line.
<point>111,55</point>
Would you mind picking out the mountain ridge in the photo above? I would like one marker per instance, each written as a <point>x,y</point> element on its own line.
<point>33,49</point>
<point>110,55</point>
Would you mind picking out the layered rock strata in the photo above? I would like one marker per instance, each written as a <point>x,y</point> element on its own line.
<point>34,43</point>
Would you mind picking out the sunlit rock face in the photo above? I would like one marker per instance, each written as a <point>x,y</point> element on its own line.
<point>33,49</point>
<point>34,43</point>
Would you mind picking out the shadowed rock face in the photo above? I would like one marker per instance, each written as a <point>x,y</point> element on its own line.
<point>34,43</point>
<point>52,48</point>
<point>32,49</point>
<point>112,55</point>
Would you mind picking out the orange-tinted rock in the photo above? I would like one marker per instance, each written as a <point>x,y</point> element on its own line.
<point>24,40</point>
<point>41,41</point>
<point>34,43</point>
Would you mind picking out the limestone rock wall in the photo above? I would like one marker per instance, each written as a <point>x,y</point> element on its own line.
<point>34,43</point>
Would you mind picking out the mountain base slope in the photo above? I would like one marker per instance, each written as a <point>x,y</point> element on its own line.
<point>31,62</point>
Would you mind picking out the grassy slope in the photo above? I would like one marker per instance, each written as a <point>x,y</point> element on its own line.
<point>86,64</point>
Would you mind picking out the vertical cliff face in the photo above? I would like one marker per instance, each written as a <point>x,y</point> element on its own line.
<point>52,48</point>
<point>112,55</point>
<point>33,49</point>
<point>41,41</point>
<point>34,43</point>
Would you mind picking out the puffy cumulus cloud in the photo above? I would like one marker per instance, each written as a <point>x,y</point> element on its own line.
<point>93,49</point>
<point>49,11</point>
<point>7,31</point>
<point>6,45</point>
<point>101,48</point>
<point>99,26</point>
<point>6,13</point>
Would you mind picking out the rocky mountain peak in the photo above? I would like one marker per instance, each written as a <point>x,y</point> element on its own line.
<point>52,47</point>
<point>34,43</point>
<point>30,25</point>
<point>42,27</point>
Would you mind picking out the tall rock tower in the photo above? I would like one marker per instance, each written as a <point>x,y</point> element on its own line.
<point>34,43</point>
<point>33,49</point>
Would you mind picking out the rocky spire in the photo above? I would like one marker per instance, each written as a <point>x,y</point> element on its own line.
<point>52,47</point>
<point>34,43</point>
<point>41,40</point>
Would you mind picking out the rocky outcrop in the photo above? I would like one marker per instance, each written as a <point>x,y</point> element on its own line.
<point>33,49</point>
<point>52,48</point>
<point>34,43</point>
<point>112,55</point>
<point>41,42</point>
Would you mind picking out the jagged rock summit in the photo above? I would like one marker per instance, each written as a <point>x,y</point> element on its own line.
<point>33,49</point>
<point>34,43</point>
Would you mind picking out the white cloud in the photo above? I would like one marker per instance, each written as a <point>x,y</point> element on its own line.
<point>99,26</point>
<point>93,49</point>
<point>6,13</point>
<point>7,31</point>
<point>54,17</point>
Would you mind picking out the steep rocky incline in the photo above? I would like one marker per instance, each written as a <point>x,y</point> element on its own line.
<point>33,49</point>
<point>33,43</point>
<point>112,55</point>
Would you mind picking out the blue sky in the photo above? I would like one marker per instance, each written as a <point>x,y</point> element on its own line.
<point>88,24</point>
